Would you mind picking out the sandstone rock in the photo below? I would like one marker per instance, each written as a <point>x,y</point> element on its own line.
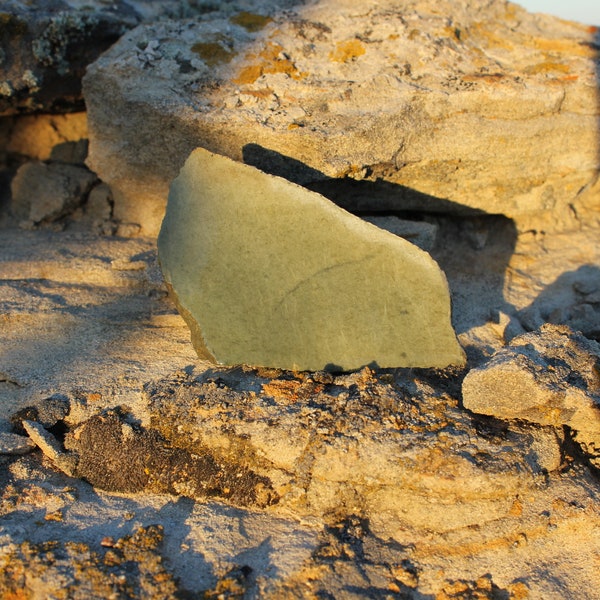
<point>45,192</point>
<point>35,136</point>
<point>45,47</point>
<point>548,377</point>
<point>278,276</point>
<point>411,105</point>
<point>573,299</point>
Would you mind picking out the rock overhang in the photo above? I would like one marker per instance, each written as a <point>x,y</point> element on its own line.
<point>449,107</point>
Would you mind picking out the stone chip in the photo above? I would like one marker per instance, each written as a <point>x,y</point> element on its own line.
<point>268,273</point>
<point>549,376</point>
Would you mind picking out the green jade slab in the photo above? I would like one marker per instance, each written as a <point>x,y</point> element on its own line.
<point>267,273</point>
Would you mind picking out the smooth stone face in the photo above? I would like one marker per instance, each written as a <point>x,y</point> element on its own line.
<point>268,273</point>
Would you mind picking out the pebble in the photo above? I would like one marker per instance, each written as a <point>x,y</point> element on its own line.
<point>12,443</point>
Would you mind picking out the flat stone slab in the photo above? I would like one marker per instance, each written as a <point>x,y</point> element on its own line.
<point>399,106</point>
<point>268,273</point>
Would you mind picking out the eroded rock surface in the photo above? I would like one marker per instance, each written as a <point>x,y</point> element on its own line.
<point>267,273</point>
<point>549,377</point>
<point>407,490</point>
<point>396,106</point>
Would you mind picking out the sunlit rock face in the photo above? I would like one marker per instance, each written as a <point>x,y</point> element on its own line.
<point>268,273</point>
<point>434,105</point>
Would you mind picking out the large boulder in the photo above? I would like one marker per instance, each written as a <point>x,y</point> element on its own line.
<point>452,105</point>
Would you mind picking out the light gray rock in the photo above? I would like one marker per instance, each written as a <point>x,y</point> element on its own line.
<point>12,443</point>
<point>548,377</point>
<point>46,46</point>
<point>268,273</point>
<point>45,192</point>
<point>402,105</point>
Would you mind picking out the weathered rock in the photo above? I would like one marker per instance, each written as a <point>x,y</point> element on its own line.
<point>36,136</point>
<point>406,105</point>
<point>278,276</point>
<point>322,445</point>
<point>45,192</point>
<point>12,443</point>
<point>48,413</point>
<point>131,566</point>
<point>548,377</point>
<point>46,46</point>
<point>572,300</point>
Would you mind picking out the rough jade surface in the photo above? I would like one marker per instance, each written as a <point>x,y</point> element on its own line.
<point>268,273</point>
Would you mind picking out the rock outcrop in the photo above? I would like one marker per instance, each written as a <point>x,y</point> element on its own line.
<point>161,475</point>
<point>411,492</point>
<point>46,46</point>
<point>429,106</point>
<point>270,274</point>
<point>550,377</point>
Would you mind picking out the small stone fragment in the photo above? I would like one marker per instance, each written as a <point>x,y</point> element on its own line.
<point>549,377</point>
<point>50,447</point>
<point>48,412</point>
<point>99,203</point>
<point>12,443</point>
<point>268,273</point>
<point>73,153</point>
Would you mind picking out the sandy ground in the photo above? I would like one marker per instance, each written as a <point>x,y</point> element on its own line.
<point>87,317</point>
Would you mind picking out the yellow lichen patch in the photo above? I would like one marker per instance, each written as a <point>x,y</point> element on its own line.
<point>493,39</point>
<point>569,47</point>
<point>347,50</point>
<point>250,21</point>
<point>272,59</point>
<point>213,53</point>
<point>547,67</point>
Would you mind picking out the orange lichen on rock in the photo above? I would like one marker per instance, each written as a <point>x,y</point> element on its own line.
<point>214,53</point>
<point>250,21</point>
<point>272,59</point>
<point>566,46</point>
<point>547,67</point>
<point>347,51</point>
